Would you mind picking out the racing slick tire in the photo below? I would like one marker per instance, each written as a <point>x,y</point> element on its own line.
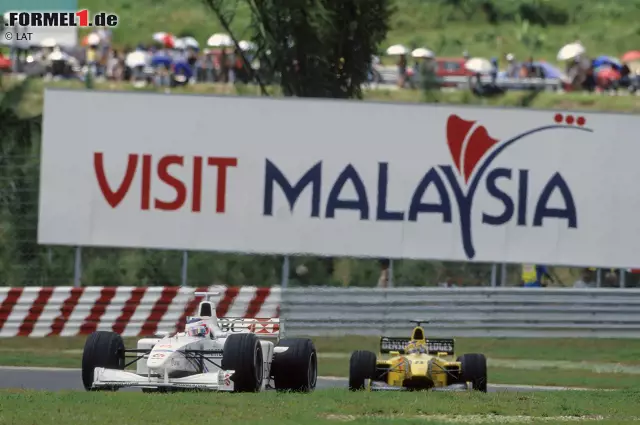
<point>474,370</point>
<point>362,366</point>
<point>243,353</point>
<point>102,349</point>
<point>297,368</point>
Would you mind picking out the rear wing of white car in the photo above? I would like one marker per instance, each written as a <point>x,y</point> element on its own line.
<point>262,327</point>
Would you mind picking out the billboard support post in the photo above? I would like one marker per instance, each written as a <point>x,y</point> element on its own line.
<point>285,272</point>
<point>77,267</point>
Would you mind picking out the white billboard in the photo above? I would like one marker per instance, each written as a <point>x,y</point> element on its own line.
<point>340,178</point>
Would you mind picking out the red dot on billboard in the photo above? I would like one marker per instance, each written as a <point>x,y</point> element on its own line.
<point>581,121</point>
<point>569,119</point>
<point>558,118</point>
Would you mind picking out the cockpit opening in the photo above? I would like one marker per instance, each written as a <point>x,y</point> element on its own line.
<point>206,309</point>
<point>418,334</point>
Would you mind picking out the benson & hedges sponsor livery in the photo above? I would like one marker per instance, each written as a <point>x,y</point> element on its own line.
<point>339,178</point>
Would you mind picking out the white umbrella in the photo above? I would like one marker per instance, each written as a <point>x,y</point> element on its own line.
<point>93,39</point>
<point>247,45</point>
<point>49,42</point>
<point>397,50</point>
<point>58,55</point>
<point>571,51</point>
<point>191,42</point>
<point>219,40</point>
<point>179,44</point>
<point>423,53</point>
<point>137,58</point>
<point>479,65</point>
<point>159,36</point>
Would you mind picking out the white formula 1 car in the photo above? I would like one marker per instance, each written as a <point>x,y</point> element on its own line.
<point>223,354</point>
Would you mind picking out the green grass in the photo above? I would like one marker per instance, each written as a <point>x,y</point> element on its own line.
<point>604,26</point>
<point>565,378</point>
<point>320,407</point>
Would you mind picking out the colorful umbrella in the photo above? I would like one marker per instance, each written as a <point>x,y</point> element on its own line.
<point>169,41</point>
<point>631,56</point>
<point>550,71</point>
<point>607,61</point>
<point>166,39</point>
<point>5,63</point>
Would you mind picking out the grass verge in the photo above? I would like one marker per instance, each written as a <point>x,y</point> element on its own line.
<point>320,407</point>
<point>622,351</point>
<point>33,101</point>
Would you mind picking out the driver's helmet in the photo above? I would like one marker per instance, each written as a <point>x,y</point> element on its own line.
<point>197,327</point>
<point>415,348</point>
<point>411,348</point>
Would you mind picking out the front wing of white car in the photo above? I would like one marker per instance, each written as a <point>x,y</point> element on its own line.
<point>114,378</point>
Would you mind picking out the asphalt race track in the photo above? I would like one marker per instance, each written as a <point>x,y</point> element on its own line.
<point>52,379</point>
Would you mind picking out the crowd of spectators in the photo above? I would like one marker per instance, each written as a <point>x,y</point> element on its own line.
<point>578,70</point>
<point>166,60</point>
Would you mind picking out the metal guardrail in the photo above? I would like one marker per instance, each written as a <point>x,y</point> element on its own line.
<point>390,76</point>
<point>464,312</point>
<point>321,311</point>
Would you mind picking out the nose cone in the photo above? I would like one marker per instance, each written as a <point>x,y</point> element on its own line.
<point>157,360</point>
<point>419,367</point>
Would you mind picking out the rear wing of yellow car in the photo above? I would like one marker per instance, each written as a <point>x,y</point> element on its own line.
<point>434,346</point>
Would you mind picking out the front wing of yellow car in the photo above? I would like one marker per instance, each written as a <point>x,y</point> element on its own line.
<point>371,385</point>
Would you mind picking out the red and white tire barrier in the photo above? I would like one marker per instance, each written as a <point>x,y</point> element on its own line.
<point>127,310</point>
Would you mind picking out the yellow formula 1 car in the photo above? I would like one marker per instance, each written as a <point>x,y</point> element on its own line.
<point>417,363</point>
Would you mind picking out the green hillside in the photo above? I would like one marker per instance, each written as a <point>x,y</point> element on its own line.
<point>483,27</point>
